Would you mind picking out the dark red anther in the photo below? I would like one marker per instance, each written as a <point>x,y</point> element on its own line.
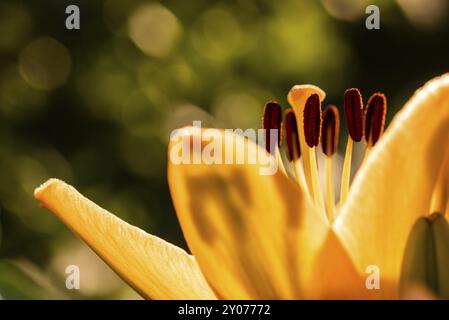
<point>272,119</point>
<point>375,114</point>
<point>312,120</point>
<point>330,130</point>
<point>354,113</point>
<point>291,136</point>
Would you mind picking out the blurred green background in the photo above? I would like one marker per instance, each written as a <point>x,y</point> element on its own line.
<point>95,106</point>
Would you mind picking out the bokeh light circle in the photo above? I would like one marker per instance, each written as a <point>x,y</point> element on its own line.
<point>45,63</point>
<point>154,29</point>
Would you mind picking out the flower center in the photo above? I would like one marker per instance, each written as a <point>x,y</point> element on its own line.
<point>304,132</point>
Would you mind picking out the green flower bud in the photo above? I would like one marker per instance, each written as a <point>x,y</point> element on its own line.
<point>426,256</point>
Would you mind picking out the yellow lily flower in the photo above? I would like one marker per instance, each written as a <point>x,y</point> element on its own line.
<point>256,236</point>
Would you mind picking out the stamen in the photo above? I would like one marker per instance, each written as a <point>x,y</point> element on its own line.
<point>312,132</point>
<point>376,110</point>
<point>330,130</point>
<point>354,113</point>
<point>354,120</point>
<point>312,120</point>
<point>293,148</point>
<point>272,120</point>
<point>329,143</point>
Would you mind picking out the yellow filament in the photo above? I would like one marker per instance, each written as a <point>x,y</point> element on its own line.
<point>446,213</point>
<point>440,196</point>
<point>366,155</point>
<point>368,148</point>
<point>367,152</point>
<point>299,172</point>
<point>346,175</point>
<point>279,160</point>
<point>330,198</point>
<point>317,196</point>
<point>310,167</point>
<point>305,159</point>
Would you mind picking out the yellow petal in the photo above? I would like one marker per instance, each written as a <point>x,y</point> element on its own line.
<point>152,266</point>
<point>254,236</point>
<point>395,185</point>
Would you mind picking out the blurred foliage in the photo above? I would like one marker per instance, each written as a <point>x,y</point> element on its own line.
<point>95,106</point>
<point>13,282</point>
